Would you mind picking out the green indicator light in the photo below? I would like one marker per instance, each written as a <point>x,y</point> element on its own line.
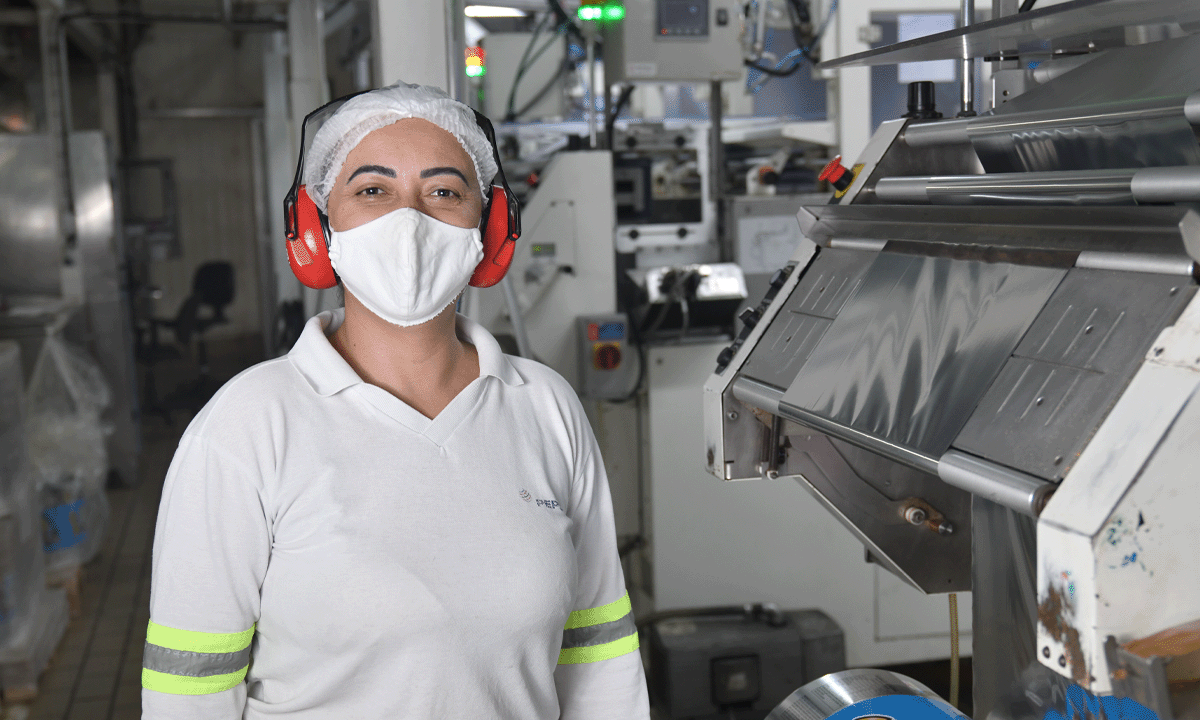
<point>589,12</point>
<point>475,70</point>
<point>614,12</point>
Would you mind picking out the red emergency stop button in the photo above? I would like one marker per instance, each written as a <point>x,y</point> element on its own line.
<point>836,174</point>
<point>606,357</point>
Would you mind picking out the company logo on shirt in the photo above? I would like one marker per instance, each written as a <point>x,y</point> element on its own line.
<point>548,504</point>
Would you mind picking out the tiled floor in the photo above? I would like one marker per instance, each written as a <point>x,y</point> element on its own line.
<point>96,672</point>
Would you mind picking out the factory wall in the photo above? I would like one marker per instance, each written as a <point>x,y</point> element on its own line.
<point>205,67</point>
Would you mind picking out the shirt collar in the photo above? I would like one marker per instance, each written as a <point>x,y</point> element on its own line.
<point>323,367</point>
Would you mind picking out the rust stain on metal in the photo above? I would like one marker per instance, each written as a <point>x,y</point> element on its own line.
<point>1051,612</point>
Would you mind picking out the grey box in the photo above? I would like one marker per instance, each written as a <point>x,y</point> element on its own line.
<point>607,366</point>
<point>697,664</point>
<point>658,42</point>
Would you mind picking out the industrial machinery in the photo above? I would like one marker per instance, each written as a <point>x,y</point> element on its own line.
<point>984,359</point>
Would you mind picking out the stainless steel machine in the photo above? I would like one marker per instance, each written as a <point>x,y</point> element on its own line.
<point>984,360</point>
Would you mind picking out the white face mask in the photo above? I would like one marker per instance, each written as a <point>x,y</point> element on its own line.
<point>405,266</point>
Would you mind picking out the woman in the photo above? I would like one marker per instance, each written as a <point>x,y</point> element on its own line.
<point>396,520</point>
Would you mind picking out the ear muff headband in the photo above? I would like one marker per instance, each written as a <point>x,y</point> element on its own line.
<point>307,228</point>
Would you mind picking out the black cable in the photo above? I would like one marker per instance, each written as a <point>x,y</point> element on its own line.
<point>800,16</point>
<point>525,64</point>
<point>512,91</point>
<point>772,71</point>
<point>537,97</point>
<point>1026,6</point>
<point>610,119</point>
<point>564,20</point>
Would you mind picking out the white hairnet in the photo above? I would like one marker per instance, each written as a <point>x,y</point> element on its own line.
<point>363,114</point>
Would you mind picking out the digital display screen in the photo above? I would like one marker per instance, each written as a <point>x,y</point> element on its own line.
<point>683,18</point>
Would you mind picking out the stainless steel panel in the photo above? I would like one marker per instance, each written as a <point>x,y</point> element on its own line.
<point>1070,368</point>
<point>30,244</point>
<point>828,283</point>
<point>1162,230</point>
<point>1067,26</point>
<point>827,695</point>
<point>908,358</point>
<point>1004,603</point>
<point>109,329</point>
<point>866,492</point>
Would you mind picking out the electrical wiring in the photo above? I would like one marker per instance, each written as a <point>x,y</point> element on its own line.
<point>527,62</point>
<point>512,92</point>
<point>804,50</point>
<point>1026,6</point>
<point>537,97</point>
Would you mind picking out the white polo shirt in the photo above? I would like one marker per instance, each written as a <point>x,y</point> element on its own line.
<point>367,562</point>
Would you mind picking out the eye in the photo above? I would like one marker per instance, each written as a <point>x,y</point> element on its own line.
<point>370,190</point>
<point>445,193</point>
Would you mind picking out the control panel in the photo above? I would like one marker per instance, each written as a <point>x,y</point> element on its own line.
<point>607,368</point>
<point>675,41</point>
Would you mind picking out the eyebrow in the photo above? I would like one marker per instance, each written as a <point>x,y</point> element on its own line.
<point>430,172</point>
<point>377,169</point>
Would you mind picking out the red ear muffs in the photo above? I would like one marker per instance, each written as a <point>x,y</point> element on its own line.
<point>308,251</point>
<point>498,242</point>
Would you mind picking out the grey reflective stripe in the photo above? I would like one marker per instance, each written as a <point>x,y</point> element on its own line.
<point>599,634</point>
<point>193,664</point>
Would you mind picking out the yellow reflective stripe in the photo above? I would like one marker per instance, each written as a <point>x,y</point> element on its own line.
<point>596,653</point>
<point>595,616</point>
<point>192,641</point>
<point>181,685</point>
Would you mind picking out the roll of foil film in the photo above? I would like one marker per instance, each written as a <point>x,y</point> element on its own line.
<point>864,693</point>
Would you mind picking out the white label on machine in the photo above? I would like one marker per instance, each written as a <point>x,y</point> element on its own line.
<point>911,27</point>
<point>641,69</point>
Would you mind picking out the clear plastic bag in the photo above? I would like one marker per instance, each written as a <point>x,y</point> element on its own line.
<point>66,397</point>
<point>22,564</point>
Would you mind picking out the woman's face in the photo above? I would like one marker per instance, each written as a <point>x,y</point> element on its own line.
<point>411,163</point>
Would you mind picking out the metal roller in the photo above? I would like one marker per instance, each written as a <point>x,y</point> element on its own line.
<point>1080,187</point>
<point>953,132</point>
<point>1023,493</point>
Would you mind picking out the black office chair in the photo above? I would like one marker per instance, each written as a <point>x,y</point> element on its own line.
<point>212,288</point>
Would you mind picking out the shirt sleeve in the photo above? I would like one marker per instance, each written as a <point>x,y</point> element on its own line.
<point>211,548</point>
<point>599,674</point>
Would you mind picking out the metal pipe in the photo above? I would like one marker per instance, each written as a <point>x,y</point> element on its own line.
<point>518,321</point>
<point>953,132</point>
<point>51,41</point>
<point>1167,184</point>
<point>769,398</point>
<point>591,93</point>
<point>456,45</point>
<point>1191,108</point>
<point>968,63</point>
<point>264,24</point>
<point>1136,262</point>
<point>716,155</point>
<point>1108,185</point>
<point>1148,185</point>
<point>757,394</point>
<point>858,244</point>
<point>1015,490</point>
